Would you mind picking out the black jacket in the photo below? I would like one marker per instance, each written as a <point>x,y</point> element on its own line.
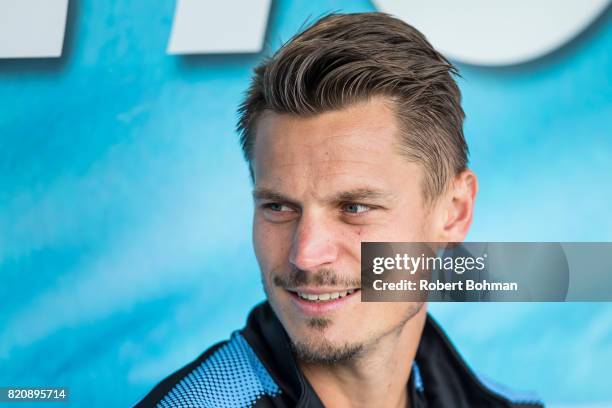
<point>256,368</point>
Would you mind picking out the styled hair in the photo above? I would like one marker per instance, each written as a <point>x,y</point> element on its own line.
<point>347,58</point>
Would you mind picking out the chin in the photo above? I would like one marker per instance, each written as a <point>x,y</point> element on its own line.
<point>320,349</point>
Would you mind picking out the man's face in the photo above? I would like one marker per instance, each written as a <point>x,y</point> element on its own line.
<point>324,184</point>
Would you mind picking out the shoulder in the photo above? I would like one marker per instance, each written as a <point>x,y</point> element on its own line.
<point>227,374</point>
<point>444,376</point>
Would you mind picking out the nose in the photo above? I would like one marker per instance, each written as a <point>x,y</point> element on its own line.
<point>314,243</point>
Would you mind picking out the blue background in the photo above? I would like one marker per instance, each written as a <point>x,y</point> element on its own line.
<point>125,212</point>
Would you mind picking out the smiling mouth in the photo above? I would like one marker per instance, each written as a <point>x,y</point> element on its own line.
<point>322,297</point>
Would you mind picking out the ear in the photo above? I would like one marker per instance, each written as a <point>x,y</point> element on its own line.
<point>457,208</point>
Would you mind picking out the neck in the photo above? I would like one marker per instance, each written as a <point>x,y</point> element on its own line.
<point>377,378</point>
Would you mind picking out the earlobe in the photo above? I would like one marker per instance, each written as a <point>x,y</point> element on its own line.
<point>460,206</point>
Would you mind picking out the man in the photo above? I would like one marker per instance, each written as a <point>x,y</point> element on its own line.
<point>353,132</point>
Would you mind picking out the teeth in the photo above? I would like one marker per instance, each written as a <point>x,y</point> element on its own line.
<point>323,297</point>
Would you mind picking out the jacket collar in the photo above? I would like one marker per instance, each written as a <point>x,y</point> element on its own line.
<point>439,377</point>
<point>270,341</point>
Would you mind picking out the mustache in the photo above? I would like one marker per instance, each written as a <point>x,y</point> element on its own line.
<point>321,277</point>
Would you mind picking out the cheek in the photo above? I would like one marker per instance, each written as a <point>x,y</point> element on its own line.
<point>271,244</point>
<point>409,226</point>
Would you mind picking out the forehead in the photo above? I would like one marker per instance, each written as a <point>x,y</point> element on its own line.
<point>330,151</point>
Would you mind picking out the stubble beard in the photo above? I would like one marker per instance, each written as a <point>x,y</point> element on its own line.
<point>323,352</point>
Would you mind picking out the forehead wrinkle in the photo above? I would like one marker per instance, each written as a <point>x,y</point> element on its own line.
<point>326,161</point>
<point>328,143</point>
<point>346,142</point>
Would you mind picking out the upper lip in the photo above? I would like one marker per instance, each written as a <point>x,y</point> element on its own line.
<point>319,290</point>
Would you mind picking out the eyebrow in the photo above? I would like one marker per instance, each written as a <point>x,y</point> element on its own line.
<point>353,195</point>
<point>268,194</point>
<point>359,194</point>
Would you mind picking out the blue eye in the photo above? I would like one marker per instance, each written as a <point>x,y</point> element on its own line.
<point>278,212</point>
<point>356,208</point>
<point>277,207</point>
